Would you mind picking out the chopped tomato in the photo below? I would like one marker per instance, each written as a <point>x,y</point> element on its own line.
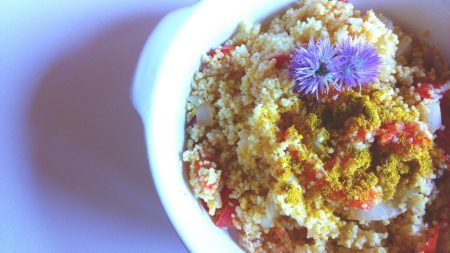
<point>225,196</point>
<point>388,133</point>
<point>310,174</point>
<point>337,195</point>
<point>294,153</point>
<point>226,50</point>
<point>224,216</point>
<point>319,178</point>
<point>366,203</point>
<point>282,60</point>
<point>283,135</point>
<point>413,133</point>
<point>360,134</point>
<point>316,177</point>
<point>337,159</point>
<point>430,245</point>
<point>424,90</point>
<point>394,134</point>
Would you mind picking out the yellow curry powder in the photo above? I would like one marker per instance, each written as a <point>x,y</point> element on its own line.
<point>364,167</point>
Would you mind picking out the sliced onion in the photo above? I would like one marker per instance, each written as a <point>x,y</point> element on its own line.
<point>195,100</point>
<point>404,46</point>
<point>267,219</point>
<point>381,211</point>
<point>387,22</point>
<point>433,116</point>
<point>204,114</point>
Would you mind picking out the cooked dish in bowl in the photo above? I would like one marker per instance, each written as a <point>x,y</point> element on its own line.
<point>323,130</point>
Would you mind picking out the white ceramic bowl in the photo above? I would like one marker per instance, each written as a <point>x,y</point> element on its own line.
<point>163,78</point>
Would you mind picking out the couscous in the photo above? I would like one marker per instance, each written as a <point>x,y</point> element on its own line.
<point>323,130</point>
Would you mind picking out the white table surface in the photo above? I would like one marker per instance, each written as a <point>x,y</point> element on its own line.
<point>73,166</point>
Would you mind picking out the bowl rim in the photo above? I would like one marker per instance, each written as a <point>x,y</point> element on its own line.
<point>143,95</point>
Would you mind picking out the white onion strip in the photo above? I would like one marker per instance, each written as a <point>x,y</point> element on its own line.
<point>433,116</point>
<point>404,46</point>
<point>204,114</point>
<point>381,211</point>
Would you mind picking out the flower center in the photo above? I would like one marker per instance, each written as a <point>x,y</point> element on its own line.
<point>323,69</point>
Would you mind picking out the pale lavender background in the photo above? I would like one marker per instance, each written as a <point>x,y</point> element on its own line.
<point>73,168</point>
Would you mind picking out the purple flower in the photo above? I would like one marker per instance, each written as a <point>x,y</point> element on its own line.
<point>312,68</point>
<point>318,65</point>
<point>358,63</point>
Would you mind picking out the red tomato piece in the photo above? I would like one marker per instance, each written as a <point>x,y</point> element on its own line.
<point>282,60</point>
<point>413,132</point>
<point>431,243</point>
<point>364,204</point>
<point>315,178</point>
<point>388,133</point>
<point>294,153</point>
<point>225,196</point>
<point>392,133</point>
<point>361,135</point>
<point>310,176</point>
<point>331,162</point>
<point>337,195</point>
<point>226,50</point>
<point>224,217</point>
<point>341,197</point>
<point>424,90</point>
